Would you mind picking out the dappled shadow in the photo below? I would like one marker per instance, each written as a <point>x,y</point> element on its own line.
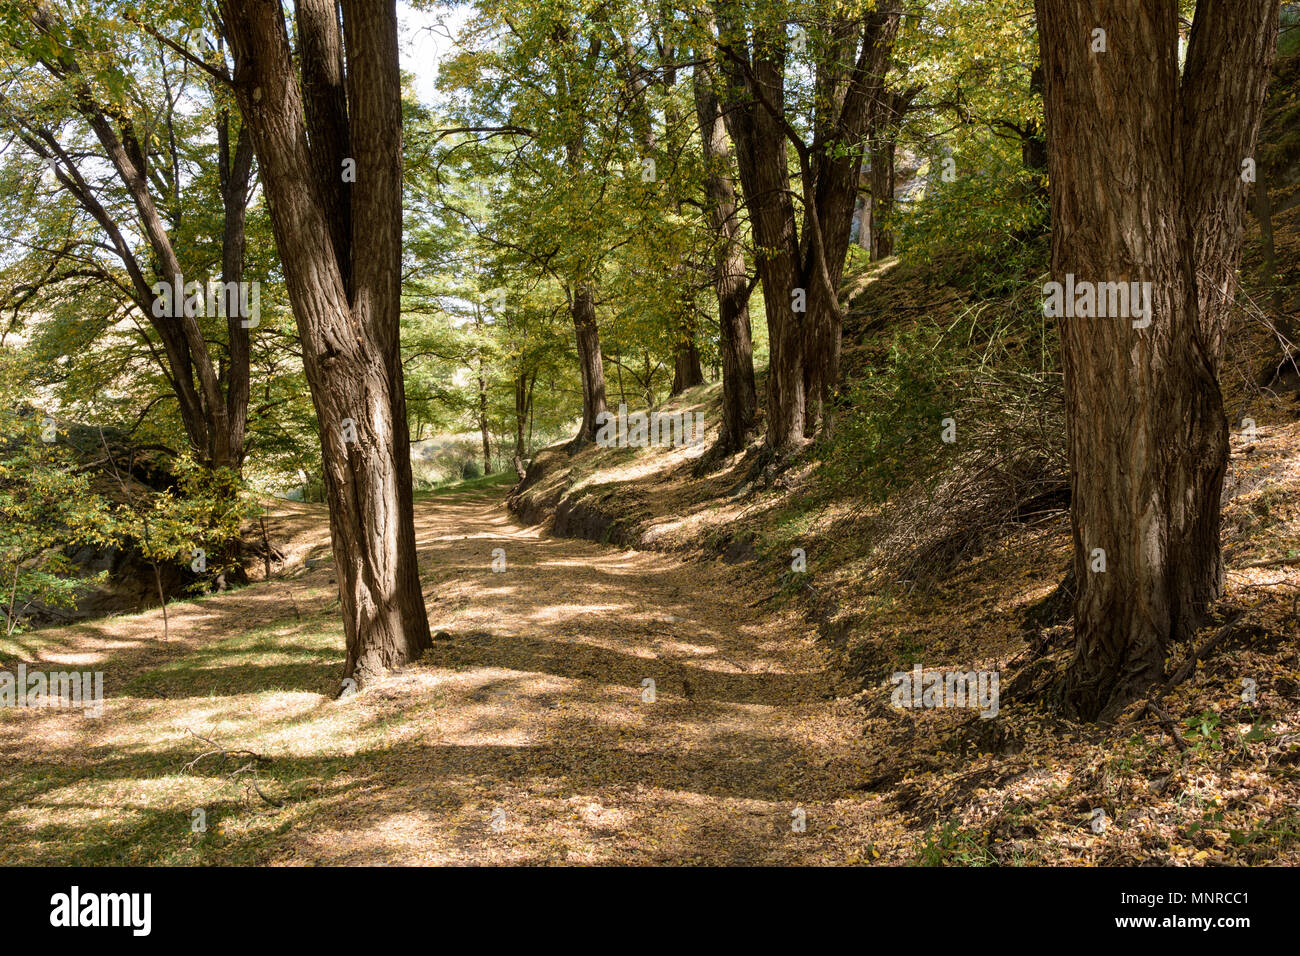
<point>536,707</point>
<point>577,660</point>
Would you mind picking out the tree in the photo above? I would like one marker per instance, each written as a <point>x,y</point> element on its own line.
<point>330,152</point>
<point>541,76</point>
<point>730,276</point>
<point>1145,171</point>
<point>46,504</point>
<point>801,258</point>
<point>97,94</point>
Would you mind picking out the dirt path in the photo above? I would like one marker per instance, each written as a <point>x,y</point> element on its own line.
<point>530,736</point>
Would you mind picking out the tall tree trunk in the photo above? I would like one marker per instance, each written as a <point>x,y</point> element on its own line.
<point>1147,188</point>
<point>350,347</point>
<point>1033,144</point>
<point>523,404</point>
<point>648,382</point>
<point>483,424</point>
<point>236,173</point>
<point>853,94</point>
<point>760,140</point>
<point>590,362</point>
<point>882,196</point>
<point>801,273</point>
<point>730,277</point>
<point>1261,204</point>
<point>329,137</point>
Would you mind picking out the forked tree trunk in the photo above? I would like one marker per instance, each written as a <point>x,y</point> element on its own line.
<point>350,347</point>
<point>759,138</point>
<point>802,269</point>
<point>853,79</point>
<point>1145,174</point>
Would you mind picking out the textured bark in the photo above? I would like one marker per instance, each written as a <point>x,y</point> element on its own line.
<point>1145,185</point>
<point>687,371</point>
<point>324,94</point>
<point>882,196</point>
<point>805,347</point>
<point>590,361</point>
<point>236,174</point>
<point>350,345</point>
<point>730,277</point>
<point>758,134</point>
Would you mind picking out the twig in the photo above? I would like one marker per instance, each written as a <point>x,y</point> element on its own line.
<point>218,750</point>
<point>1167,723</point>
<point>1151,705</point>
<point>1275,562</point>
<point>249,767</point>
<point>1189,665</point>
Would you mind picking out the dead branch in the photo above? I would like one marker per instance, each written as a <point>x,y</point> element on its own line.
<point>249,767</point>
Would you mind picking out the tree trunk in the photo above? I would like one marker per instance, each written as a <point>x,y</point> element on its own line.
<point>759,138</point>
<point>236,173</point>
<point>852,97</point>
<point>350,348</point>
<point>730,277</point>
<point>591,364</point>
<point>687,371</point>
<point>1147,188</point>
<point>648,382</point>
<point>882,197</point>
<point>483,424</point>
<point>523,402</point>
<point>801,274</point>
<point>1261,205</point>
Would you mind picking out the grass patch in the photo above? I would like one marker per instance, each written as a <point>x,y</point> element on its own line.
<point>500,480</point>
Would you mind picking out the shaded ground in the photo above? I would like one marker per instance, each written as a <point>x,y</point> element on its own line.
<point>528,737</point>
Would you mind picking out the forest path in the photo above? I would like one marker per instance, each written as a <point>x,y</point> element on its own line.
<point>528,736</point>
<point>547,744</point>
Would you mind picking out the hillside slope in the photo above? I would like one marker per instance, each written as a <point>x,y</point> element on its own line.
<point>955,556</point>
